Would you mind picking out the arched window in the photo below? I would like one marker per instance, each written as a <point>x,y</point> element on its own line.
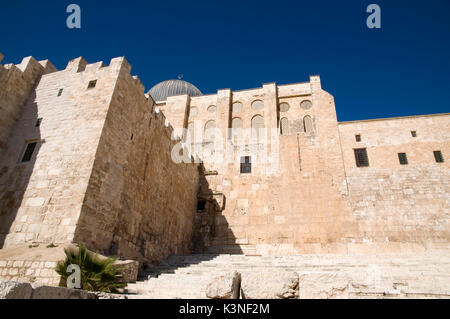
<point>257,126</point>
<point>306,105</point>
<point>257,105</point>
<point>284,126</point>
<point>236,128</point>
<point>210,130</point>
<point>237,107</point>
<point>212,109</point>
<point>308,124</point>
<point>284,107</point>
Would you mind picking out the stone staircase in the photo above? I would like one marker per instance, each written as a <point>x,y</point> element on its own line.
<point>421,275</point>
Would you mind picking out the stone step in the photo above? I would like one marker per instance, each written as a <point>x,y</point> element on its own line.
<point>188,276</point>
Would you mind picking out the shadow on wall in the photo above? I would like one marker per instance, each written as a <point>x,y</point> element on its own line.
<point>16,168</point>
<point>209,219</point>
<point>206,244</point>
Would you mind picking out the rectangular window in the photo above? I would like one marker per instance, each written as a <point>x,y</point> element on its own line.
<point>402,158</point>
<point>361,157</point>
<point>438,157</point>
<point>60,92</point>
<point>92,84</point>
<point>201,205</point>
<point>413,133</point>
<point>29,150</point>
<point>38,122</point>
<point>358,138</point>
<point>246,165</point>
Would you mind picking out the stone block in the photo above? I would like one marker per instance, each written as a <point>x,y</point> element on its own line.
<point>324,285</point>
<point>15,290</point>
<point>130,269</point>
<point>267,285</point>
<point>225,286</point>
<point>47,292</point>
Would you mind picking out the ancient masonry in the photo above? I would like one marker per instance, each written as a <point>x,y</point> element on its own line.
<point>86,156</point>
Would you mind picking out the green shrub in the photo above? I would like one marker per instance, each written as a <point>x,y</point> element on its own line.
<point>97,274</point>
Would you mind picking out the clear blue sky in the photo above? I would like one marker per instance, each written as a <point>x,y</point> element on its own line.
<point>398,70</point>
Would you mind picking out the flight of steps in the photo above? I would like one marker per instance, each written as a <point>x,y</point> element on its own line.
<point>186,277</point>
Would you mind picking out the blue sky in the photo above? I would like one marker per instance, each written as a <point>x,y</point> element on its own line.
<point>401,69</point>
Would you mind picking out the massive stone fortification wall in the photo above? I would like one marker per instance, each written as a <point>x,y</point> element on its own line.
<point>318,201</point>
<point>41,199</point>
<point>102,171</point>
<point>139,203</point>
<point>298,208</point>
<point>399,207</point>
<point>16,83</point>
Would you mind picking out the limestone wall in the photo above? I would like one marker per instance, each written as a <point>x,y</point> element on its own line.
<point>399,206</point>
<point>299,208</point>
<point>318,201</point>
<point>139,203</point>
<point>41,199</point>
<point>102,172</point>
<point>16,83</point>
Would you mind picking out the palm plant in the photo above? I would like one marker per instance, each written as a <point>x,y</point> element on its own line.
<point>97,274</point>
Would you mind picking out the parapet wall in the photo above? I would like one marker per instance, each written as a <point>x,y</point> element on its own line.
<point>16,83</point>
<point>41,199</point>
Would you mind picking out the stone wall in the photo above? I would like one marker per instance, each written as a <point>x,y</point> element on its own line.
<point>41,199</point>
<point>31,264</point>
<point>139,203</point>
<point>318,201</point>
<point>298,207</point>
<point>404,207</point>
<point>16,83</point>
<point>103,174</point>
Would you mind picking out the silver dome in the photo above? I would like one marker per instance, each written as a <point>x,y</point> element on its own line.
<point>162,90</point>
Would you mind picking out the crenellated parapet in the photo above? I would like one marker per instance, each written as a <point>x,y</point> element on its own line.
<point>16,84</point>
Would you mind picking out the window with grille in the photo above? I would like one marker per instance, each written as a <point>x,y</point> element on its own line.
<point>92,84</point>
<point>438,157</point>
<point>246,165</point>
<point>361,157</point>
<point>358,138</point>
<point>413,133</point>
<point>60,92</point>
<point>29,150</point>
<point>402,158</point>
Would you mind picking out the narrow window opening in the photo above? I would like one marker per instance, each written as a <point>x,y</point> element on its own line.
<point>92,84</point>
<point>38,122</point>
<point>413,133</point>
<point>201,205</point>
<point>132,136</point>
<point>28,152</point>
<point>438,157</point>
<point>246,165</point>
<point>361,157</point>
<point>402,158</point>
<point>358,138</point>
<point>60,92</point>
